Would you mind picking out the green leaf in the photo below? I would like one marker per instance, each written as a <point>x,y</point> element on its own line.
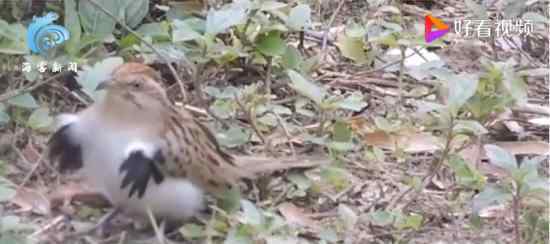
<point>355,30</point>
<point>461,88</point>
<point>292,58</point>
<point>223,108</point>
<point>13,38</point>
<point>134,11</point>
<point>341,146</point>
<point>341,131</point>
<point>489,196</point>
<point>234,236</point>
<point>25,100</point>
<point>536,18</point>
<point>40,118</point>
<point>192,231</point>
<point>530,165</point>
<point>386,125</point>
<point>251,214</point>
<point>95,21</point>
<point>12,238</point>
<point>354,102</point>
<point>90,77</point>
<point>155,30</point>
<point>413,221</point>
<point>336,177</point>
<point>513,9</point>
<point>218,21</point>
<point>229,92</point>
<point>299,17</point>
<point>183,31</point>
<point>72,22</point>
<point>329,235</point>
<point>282,239</point>
<point>381,218</point>
<point>466,175</point>
<point>352,48</point>
<point>13,223</point>
<point>348,216</point>
<point>271,44</point>
<point>230,200</point>
<point>470,126</point>
<point>271,5</point>
<point>515,85</point>
<point>300,180</point>
<point>501,158</point>
<point>306,88</point>
<point>233,137</point>
<point>6,192</point>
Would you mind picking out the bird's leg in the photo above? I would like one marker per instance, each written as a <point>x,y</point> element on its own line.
<point>104,222</point>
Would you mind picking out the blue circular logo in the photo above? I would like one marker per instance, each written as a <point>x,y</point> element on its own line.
<point>42,35</point>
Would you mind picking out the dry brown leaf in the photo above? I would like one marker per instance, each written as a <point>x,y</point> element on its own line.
<point>409,141</point>
<point>31,200</point>
<point>296,216</point>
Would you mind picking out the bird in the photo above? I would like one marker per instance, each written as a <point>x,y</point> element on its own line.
<point>140,151</point>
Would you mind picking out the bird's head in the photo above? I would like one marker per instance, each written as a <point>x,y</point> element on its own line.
<point>134,86</point>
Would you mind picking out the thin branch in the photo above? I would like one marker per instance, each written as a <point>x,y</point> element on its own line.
<point>287,133</point>
<point>149,45</point>
<point>329,24</point>
<point>26,89</point>
<point>251,114</point>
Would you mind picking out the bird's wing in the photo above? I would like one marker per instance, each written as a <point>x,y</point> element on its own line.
<point>186,149</point>
<point>63,146</point>
<point>141,164</point>
<point>194,153</point>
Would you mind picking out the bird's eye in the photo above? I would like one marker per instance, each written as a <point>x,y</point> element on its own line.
<point>136,85</point>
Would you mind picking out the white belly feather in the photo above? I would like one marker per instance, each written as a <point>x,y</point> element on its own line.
<point>102,157</point>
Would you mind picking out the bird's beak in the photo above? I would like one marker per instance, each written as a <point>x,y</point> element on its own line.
<point>104,85</point>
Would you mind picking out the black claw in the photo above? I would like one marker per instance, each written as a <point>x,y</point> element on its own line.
<point>139,169</point>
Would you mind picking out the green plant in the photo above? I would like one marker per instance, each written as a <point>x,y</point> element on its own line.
<point>524,188</point>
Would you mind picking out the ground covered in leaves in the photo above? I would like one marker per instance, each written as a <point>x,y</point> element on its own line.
<point>359,130</point>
